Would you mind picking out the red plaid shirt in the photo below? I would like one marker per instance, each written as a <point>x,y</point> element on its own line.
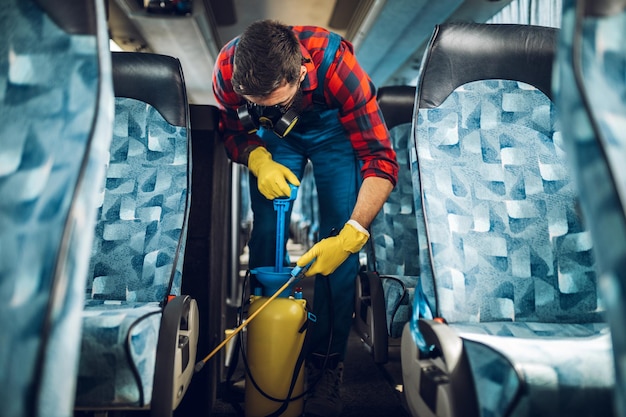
<point>348,88</point>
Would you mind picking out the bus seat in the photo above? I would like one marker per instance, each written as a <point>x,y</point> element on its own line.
<point>591,97</point>
<point>384,288</point>
<point>305,218</point>
<point>56,113</point>
<point>518,328</point>
<point>139,333</point>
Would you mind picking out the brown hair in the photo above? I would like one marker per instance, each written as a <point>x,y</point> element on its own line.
<point>267,54</point>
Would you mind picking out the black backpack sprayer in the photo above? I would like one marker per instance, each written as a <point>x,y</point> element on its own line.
<point>275,339</point>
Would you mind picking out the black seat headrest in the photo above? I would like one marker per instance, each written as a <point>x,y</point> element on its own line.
<point>78,18</point>
<point>154,79</point>
<point>603,8</point>
<point>396,102</point>
<point>459,53</point>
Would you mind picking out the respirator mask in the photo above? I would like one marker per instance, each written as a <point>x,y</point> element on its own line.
<point>279,119</point>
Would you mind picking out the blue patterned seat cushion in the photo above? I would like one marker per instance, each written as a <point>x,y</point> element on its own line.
<point>394,239</point>
<point>500,209</point>
<point>598,161</point>
<point>514,267</point>
<point>141,229</point>
<point>56,102</point>
<point>118,353</point>
<point>541,370</point>
<point>399,291</point>
<point>603,65</point>
<point>394,231</point>
<point>142,220</point>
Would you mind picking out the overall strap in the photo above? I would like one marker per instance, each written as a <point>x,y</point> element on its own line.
<point>329,55</point>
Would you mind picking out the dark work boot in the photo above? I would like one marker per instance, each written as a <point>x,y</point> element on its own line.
<point>323,386</point>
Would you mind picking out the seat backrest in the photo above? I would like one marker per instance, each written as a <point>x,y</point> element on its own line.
<point>503,234</point>
<point>591,98</point>
<point>392,248</point>
<point>394,230</point>
<point>142,226</point>
<point>56,117</point>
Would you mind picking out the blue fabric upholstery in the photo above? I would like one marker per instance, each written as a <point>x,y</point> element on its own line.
<point>505,239</point>
<point>501,209</point>
<point>385,286</point>
<point>511,264</point>
<point>305,216</point>
<point>541,374</point>
<point>394,244</point>
<point>591,96</point>
<point>54,136</point>
<point>144,208</point>
<point>109,376</point>
<point>386,283</point>
<point>137,257</point>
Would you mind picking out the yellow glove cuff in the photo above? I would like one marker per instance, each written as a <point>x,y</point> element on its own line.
<point>353,236</point>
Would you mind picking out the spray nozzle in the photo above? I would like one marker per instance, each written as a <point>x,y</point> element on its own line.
<point>297,273</point>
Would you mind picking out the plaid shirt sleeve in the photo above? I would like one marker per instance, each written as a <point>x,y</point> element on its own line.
<point>348,87</point>
<point>236,140</point>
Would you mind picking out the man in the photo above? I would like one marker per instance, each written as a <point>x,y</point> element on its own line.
<point>304,91</point>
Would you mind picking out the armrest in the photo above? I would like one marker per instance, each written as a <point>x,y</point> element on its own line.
<point>176,354</point>
<point>446,372</point>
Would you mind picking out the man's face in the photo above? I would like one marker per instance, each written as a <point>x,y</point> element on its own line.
<point>283,96</point>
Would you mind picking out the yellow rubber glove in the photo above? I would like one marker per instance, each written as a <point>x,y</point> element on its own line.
<point>271,176</point>
<point>331,252</point>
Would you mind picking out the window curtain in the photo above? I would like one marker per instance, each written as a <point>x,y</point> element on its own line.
<point>531,12</point>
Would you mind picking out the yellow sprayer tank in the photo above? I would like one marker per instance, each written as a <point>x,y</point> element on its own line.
<point>274,343</point>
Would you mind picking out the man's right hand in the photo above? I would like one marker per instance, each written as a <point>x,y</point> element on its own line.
<point>273,178</point>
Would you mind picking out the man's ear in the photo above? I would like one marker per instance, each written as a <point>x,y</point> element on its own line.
<point>302,73</point>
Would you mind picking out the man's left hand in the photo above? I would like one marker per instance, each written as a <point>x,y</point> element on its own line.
<point>331,252</point>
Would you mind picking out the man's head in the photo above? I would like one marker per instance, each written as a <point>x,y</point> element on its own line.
<point>268,66</point>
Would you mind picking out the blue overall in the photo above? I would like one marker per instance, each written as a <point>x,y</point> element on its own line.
<point>320,138</point>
